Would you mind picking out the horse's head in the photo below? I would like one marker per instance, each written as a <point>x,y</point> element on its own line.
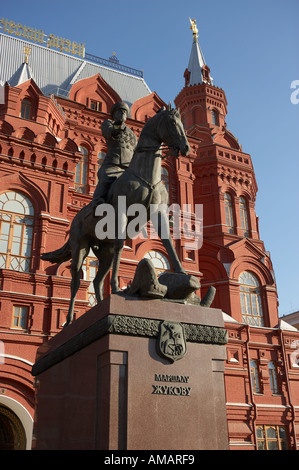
<point>171,131</point>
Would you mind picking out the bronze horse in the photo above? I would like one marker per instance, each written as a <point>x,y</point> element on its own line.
<point>140,183</point>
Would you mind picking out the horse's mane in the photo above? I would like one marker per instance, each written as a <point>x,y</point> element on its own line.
<point>161,112</point>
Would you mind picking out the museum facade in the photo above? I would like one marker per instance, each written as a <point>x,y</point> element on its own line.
<point>51,147</point>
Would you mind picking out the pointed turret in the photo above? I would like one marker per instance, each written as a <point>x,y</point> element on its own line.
<point>202,104</point>
<point>197,72</point>
<point>24,72</point>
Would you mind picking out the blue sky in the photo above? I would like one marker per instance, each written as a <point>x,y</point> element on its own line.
<point>251,48</point>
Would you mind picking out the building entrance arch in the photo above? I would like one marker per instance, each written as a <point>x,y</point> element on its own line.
<point>12,433</point>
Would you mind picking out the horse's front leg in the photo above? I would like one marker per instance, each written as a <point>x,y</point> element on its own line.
<point>174,259</point>
<point>105,255</point>
<point>118,248</point>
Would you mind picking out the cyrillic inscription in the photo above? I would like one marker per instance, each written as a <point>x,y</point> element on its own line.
<point>171,378</point>
<point>171,390</point>
<point>177,390</point>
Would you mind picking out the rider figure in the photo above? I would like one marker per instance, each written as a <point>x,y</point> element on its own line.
<point>121,143</point>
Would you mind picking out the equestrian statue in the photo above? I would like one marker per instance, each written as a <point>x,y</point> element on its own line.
<point>132,170</point>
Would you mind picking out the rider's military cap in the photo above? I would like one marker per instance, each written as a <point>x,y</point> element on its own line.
<point>120,105</point>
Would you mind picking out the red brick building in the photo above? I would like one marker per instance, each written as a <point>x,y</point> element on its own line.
<point>50,150</point>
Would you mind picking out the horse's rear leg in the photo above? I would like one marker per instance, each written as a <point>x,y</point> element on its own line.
<point>118,248</point>
<point>105,257</point>
<point>77,262</point>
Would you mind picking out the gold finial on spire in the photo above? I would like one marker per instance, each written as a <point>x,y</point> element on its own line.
<point>27,52</point>
<point>193,27</point>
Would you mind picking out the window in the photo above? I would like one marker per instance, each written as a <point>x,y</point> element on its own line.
<point>101,158</point>
<point>244,216</point>
<point>81,172</point>
<point>254,373</point>
<point>16,231</point>
<point>95,105</point>
<point>229,212</point>
<point>26,109</point>
<point>251,305</point>
<point>271,438</point>
<point>273,377</point>
<point>12,432</point>
<point>215,121</point>
<point>90,267</point>
<point>20,317</point>
<point>159,260</point>
<point>165,178</point>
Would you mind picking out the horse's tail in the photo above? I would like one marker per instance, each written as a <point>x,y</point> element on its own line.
<point>58,256</point>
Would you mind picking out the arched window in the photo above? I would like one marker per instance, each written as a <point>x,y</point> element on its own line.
<point>101,158</point>
<point>165,178</point>
<point>26,109</point>
<point>244,216</point>
<point>255,379</point>
<point>159,260</point>
<point>81,172</point>
<point>16,231</point>
<point>251,305</point>
<point>215,120</point>
<point>229,213</point>
<point>90,268</point>
<point>13,435</point>
<point>273,377</point>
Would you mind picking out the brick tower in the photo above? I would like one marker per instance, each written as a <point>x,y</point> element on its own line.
<point>226,187</point>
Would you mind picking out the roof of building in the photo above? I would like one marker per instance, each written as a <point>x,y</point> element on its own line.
<point>286,326</point>
<point>23,74</point>
<point>55,72</point>
<point>292,319</point>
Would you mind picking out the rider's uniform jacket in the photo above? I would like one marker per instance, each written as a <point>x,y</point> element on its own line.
<point>121,144</point>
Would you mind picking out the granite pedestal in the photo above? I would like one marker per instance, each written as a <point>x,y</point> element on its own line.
<point>106,381</point>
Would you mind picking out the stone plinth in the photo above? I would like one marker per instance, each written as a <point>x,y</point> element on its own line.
<point>116,379</point>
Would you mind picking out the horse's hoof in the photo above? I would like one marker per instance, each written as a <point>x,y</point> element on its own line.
<point>116,290</point>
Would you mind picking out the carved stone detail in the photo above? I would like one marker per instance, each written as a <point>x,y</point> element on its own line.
<point>205,334</point>
<point>131,326</point>
<point>150,328</point>
<point>134,326</point>
<point>172,341</point>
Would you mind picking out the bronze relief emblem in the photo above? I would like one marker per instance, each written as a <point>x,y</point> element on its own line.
<point>171,341</point>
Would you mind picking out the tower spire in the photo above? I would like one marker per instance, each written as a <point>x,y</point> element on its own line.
<point>197,71</point>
